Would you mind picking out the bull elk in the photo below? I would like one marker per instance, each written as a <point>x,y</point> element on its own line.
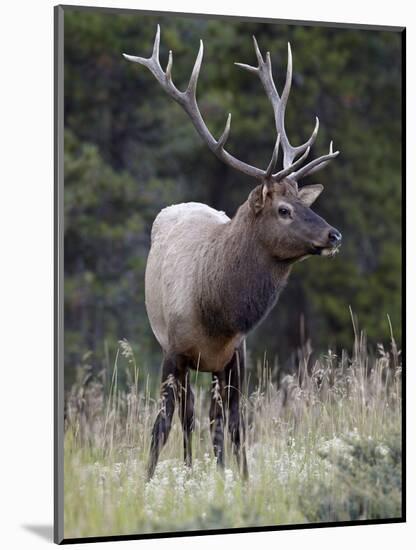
<point>211,279</point>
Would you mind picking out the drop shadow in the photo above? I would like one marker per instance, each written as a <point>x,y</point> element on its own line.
<point>43,531</point>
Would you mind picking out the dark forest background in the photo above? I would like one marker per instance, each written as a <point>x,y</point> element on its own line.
<point>130,151</point>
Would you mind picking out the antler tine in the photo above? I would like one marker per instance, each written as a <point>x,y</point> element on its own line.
<point>193,81</point>
<point>260,59</point>
<point>169,67</point>
<point>291,152</point>
<point>224,136</point>
<point>153,64</point>
<point>315,165</point>
<point>272,164</point>
<point>156,44</point>
<point>248,68</point>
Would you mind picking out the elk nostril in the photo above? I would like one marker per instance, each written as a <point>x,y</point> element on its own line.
<point>334,237</point>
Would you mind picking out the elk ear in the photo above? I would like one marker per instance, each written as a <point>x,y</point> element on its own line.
<point>257,198</point>
<point>310,193</point>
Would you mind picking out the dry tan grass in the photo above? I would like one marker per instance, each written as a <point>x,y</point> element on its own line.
<point>333,428</point>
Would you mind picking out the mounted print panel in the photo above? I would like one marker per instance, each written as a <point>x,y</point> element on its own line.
<point>229,324</point>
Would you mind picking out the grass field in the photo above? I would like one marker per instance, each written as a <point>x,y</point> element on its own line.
<point>323,444</point>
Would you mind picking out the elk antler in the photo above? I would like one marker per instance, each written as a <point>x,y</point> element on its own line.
<point>187,100</point>
<point>264,71</point>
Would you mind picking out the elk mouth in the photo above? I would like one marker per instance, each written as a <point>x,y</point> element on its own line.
<point>325,250</point>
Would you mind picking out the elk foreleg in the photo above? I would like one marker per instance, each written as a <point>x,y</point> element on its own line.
<point>217,416</point>
<point>234,373</point>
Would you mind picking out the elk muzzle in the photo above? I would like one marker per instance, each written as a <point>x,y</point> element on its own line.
<point>331,247</point>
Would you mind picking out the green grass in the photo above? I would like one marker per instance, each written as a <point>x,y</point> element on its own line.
<point>322,445</point>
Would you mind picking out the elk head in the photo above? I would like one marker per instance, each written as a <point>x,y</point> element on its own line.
<point>285,223</point>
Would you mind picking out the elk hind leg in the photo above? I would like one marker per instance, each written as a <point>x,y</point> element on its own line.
<point>186,413</point>
<point>163,422</point>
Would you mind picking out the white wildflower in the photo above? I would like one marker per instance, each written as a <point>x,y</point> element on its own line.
<point>382,450</point>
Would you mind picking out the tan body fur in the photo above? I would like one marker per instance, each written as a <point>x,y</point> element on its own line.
<point>181,238</point>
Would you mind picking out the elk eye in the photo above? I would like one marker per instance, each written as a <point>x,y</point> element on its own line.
<point>284,212</point>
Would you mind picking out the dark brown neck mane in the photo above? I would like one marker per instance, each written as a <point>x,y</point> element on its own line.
<point>239,281</point>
